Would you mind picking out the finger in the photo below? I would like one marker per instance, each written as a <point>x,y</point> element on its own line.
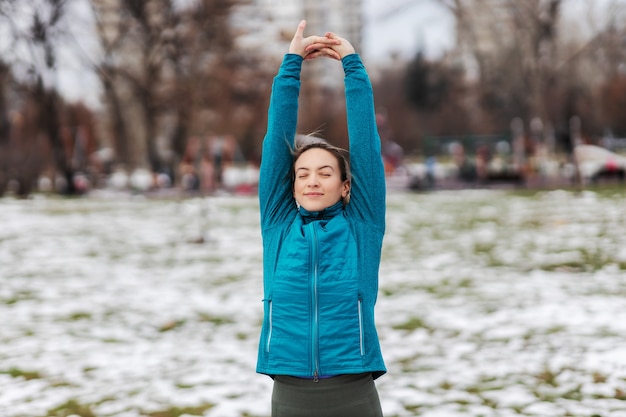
<point>334,55</point>
<point>321,43</point>
<point>300,29</point>
<point>322,39</point>
<point>328,52</point>
<point>314,55</point>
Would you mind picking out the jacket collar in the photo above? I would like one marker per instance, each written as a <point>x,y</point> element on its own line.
<point>326,214</point>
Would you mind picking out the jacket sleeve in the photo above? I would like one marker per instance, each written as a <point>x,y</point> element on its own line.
<point>368,190</point>
<point>275,193</point>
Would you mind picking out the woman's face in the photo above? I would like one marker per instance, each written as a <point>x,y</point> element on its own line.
<point>318,184</point>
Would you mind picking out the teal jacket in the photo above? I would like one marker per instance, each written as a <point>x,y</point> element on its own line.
<point>321,268</point>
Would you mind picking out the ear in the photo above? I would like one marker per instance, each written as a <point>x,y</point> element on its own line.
<point>345,189</point>
<point>345,193</point>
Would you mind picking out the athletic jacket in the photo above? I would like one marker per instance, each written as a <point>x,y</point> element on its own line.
<point>321,268</point>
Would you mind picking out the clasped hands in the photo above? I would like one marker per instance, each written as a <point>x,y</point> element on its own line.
<point>311,47</point>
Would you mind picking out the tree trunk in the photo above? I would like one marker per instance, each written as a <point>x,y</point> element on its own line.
<point>49,121</point>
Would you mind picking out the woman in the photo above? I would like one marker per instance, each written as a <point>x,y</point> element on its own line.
<point>322,251</point>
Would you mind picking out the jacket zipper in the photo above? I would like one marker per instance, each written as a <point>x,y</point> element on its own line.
<point>314,259</point>
<point>361,327</point>
<point>271,327</point>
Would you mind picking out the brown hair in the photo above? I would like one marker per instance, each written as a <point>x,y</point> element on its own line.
<point>342,156</point>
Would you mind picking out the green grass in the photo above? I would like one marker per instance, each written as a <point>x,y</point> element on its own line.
<point>71,408</point>
<point>21,373</point>
<point>180,411</point>
<point>462,274</point>
<point>413,324</point>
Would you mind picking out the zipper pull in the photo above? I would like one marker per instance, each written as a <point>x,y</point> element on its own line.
<point>315,378</point>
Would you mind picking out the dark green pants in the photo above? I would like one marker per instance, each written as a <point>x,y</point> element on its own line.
<point>340,396</point>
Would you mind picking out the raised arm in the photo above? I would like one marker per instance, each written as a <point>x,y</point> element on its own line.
<point>368,184</point>
<point>275,189</point>
<point>274,186</point>
<point>368,192</point>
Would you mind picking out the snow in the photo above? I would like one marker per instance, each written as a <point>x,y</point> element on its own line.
<point>491,303</point>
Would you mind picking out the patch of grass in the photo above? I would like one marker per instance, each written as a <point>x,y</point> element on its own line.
<point>599,378</point>
<point>413,324</point>
<point>80,315</point>
<point>572,266</point>
<point>446,385</point>
<point>608,190</point>
<point>465,283</point>
<point>60,383</point>
<point>531,224</point>
<point>596,259</point>
<point>413,408</point>
<point>476,389</point>
<point>111,340</point>
<point>19,373</point>
<point>71,408</point>
<point>179,411</point>
<point>19,296</point>
<point>548,376</point>
<point>556,329</point>
<point>151,249</point>
<point>116,256</point>
<point>387,292</point>
<point>589,260</point>
<point>620,394</point>
<point>574,394</point>
<point>406,362</point>
<point>211,259</point>
<point>487,402</point>
<point>486,383</point>
<point>484,248</point>
<point>227,279</point>
<point>66,211</point>
<point>445,288</point>
<point>171,325</point>
<point>217,320</point>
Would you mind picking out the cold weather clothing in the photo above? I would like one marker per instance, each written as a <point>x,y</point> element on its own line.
<point>341,396</point>
<point>321,268</point>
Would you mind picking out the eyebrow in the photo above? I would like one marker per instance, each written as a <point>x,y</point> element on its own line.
<point>322,167</point>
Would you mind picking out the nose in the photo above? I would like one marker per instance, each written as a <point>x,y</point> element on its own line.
<point>313,181</point>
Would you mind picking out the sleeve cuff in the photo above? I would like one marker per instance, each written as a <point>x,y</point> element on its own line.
<point>352,61</point>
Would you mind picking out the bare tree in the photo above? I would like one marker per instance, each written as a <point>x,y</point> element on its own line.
<point>182,71</point>
<point>5,126</point>
<point>513,46</point>
<point>110,35</point>
<point>40,38</point>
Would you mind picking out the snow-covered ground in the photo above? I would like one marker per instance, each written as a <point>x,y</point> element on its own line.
<point>491,304</point>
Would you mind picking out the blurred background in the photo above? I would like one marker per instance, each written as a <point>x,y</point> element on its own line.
<point>171,96</point>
